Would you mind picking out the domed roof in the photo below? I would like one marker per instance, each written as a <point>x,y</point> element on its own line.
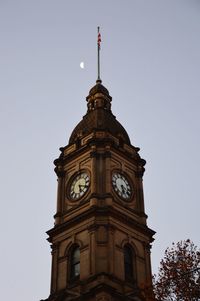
<point>98,88</point>
<point>99,116</point>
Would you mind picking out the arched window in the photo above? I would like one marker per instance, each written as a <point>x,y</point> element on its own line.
<point>128,263</point>
<point>75,263</point>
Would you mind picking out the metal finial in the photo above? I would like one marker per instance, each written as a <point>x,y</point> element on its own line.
<point>98,54</point>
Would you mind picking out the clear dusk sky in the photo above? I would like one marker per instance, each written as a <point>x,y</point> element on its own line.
<point>151,67</point>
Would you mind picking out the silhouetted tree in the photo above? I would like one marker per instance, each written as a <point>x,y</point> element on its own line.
<point>178,277</point>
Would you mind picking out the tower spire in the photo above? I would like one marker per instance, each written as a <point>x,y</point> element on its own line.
<point>98,54</point>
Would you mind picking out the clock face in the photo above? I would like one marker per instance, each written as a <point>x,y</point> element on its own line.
<point>79,186</point>
<point>121,186</point>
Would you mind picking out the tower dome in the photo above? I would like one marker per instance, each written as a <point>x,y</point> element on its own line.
<point>99,116</point>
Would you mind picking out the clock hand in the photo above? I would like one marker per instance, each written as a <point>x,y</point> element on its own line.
<point>80,187</point>
<point>123,190</point>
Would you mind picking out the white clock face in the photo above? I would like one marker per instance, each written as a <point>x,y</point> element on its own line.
<point>121,185</point>
<point>79,186</point>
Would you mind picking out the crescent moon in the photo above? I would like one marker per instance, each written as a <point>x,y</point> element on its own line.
<point>82,65</point>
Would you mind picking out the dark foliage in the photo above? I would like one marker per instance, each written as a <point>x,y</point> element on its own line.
<point>178,277</point>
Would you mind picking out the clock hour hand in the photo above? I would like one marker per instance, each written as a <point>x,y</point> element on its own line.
<point>123,190</point>
<point>80,187</point>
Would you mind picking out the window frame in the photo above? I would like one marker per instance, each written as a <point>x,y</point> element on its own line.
<point>129,263</point>
<point>73,263</point>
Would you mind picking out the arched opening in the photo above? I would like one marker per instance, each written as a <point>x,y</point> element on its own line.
<point>129,263</point>
<point>75,263</point>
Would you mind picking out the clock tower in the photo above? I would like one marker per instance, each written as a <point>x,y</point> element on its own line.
<point>100,241</point>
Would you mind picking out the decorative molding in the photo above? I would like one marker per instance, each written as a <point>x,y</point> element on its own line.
<point>106,211</point>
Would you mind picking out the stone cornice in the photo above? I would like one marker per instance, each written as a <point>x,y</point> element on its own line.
<point>100,286</point>
<point>96,211</point>
<point>97,142</point>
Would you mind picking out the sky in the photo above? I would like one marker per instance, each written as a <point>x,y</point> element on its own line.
<point>150,63</point>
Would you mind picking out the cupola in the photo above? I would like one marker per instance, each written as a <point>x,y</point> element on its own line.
<point>99,116</point>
